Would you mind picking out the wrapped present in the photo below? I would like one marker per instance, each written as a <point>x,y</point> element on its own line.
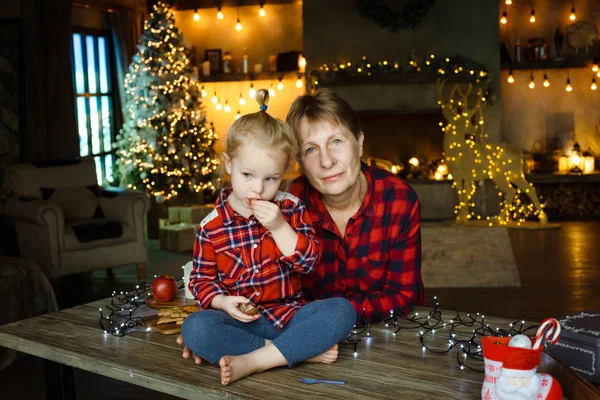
<point>194,214</point>
<point>177,237</point>
<point>174,215</point>
<point>579,344</point>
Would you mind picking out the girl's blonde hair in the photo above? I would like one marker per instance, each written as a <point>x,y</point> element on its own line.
<point>269,132</point>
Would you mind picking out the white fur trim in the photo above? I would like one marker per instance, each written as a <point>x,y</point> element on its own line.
<point>518,373</point>
<point>280,196</point>
<point>213,214</point>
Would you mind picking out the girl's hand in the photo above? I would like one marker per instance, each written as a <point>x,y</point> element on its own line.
<point>268,214</point>
<point>230,304</point>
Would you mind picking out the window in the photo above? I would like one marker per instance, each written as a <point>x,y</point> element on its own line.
<point>94,100</point>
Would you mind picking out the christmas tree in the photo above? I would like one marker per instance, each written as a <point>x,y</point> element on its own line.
<point>166,146</point>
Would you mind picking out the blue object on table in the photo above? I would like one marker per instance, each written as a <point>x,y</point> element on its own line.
<point>311,381</point>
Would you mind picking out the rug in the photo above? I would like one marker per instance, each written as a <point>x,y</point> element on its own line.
<point>467,256</point>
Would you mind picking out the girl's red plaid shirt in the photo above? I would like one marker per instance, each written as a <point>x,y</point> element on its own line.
<point>237,256</point>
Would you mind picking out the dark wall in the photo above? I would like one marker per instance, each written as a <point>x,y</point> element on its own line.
<point>334,30</point>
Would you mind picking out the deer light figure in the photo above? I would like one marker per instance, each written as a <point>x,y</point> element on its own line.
<point>470,159</point>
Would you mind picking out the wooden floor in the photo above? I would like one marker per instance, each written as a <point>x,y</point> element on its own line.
<point>559,270</point>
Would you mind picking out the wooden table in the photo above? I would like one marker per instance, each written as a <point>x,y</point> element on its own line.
<point>386,366</point>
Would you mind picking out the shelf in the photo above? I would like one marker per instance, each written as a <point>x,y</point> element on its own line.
<point>393,79</point>
<point>550,64</point>
<point>263,76</point>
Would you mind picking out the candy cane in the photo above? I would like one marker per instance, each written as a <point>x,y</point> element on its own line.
<point>548,330</point>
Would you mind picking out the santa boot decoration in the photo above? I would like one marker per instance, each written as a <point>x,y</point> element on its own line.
<point>511,367</point>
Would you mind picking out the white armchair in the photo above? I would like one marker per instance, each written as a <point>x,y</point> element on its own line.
<point>68,224</point>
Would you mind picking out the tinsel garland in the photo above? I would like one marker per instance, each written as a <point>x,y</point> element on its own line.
<point>409,17</point>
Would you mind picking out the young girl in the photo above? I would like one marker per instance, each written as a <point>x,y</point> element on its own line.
<point>249,253</point>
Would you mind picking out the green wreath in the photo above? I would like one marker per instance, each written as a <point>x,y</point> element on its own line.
<point>409,17</point>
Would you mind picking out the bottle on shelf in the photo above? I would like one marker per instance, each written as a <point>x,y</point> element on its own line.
<point>518,51</point>
<point>245,62</point>
<point>227,63</point>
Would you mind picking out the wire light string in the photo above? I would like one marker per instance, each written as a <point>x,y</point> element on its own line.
<point>120,320</point>
<point>464,332</point>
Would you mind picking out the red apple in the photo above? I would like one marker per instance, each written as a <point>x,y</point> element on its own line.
<point>164,288</point>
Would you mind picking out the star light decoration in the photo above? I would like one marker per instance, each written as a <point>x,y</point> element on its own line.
<point>166,147</point>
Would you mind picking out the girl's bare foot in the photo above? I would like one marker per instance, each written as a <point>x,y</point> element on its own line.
<point>327,357</point>
<point>236,367</point>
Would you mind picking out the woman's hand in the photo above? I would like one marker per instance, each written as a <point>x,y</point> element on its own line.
<point>230,305</point>
<point>187,352</point>
<point>268,214</point>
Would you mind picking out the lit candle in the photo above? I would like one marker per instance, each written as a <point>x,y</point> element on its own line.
<point>588,165</point>
<point>301,64</point>
<point>206,68</point>
<point>187,270</point>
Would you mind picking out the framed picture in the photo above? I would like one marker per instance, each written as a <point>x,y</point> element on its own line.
<point>214,56</point>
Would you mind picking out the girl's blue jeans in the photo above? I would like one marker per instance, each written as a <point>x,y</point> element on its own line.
<point>314,328</point>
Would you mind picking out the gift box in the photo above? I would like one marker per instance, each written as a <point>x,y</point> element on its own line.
<point>194,214</point>
<point>177,237</point>
<point>579,344</point>
<point>189,214</point>
<point>173,215</point>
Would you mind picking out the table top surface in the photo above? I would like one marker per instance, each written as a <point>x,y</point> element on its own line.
<point>386,365</point>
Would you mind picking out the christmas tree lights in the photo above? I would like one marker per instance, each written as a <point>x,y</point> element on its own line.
<point>166,145</point>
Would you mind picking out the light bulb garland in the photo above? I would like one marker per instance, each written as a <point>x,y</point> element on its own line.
<point>119,318</point>
<point>427,66</point>
<point>463,332</point>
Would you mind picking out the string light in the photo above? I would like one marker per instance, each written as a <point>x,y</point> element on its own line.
<point>532,17</point>
<point>299,83</point>
<point>572,16</point>
<point>426,65</point>
<point>203,92</point>
<point>238,115</point>
<point>569,88</point>
<point>242,101</point>
<point>508,2</point>
<point>594,85</point>
<point>454,332</point>
<point>238,25</point>
<point>219,13</point>
<point>227,108</point>
<point>251,92</point>
<point>215,99</point>
<point>280,85</point>
<point>546,81</point>
<point>219,106</point>
<point>271,91</point>
<point>595,66</point>
<point>262,12</point>
<point>531,82</point>
<point>511,78</point>
<point>196,15</point>
<point>120,320</point>
<point>504,19</point>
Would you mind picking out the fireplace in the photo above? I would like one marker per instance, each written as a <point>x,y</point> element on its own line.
<point>398,136</point>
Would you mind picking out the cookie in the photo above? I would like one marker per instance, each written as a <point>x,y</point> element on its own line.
<point>248,309</point>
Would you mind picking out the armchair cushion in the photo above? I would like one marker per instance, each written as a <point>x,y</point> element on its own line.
<point>97,229</point>
<point>76,203</point>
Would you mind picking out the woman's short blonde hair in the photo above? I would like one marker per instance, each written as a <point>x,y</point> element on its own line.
<point>268,131</point>
<point>324,105</point>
